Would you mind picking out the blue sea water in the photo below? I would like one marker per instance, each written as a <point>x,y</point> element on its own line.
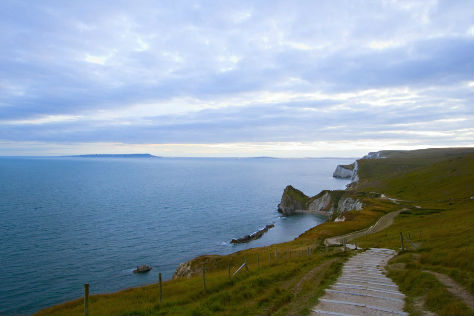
<point>69,221</point>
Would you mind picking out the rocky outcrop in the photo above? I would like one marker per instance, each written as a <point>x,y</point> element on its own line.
<point>343,171</point>
<point>321,202</point>
<point>292,200</point>
<point>194,266</point>
<point>253,236</point>
<point>355,174</point>
<point>331,203</point>
<point>349,204</point>
<point>374,155</point>
<point>184,270</point>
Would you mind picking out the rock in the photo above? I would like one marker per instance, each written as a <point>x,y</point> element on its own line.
<point>355,175</point>
<point>253,236</point>
<point>343,171</point>
<point>349,204</point>
<point>330,203</point>
<point>321,202</point>
<point>142,269</point>
<point>374,155</point>
<point>194,266</point>
<point>291,201</point>
<point>183,271</point>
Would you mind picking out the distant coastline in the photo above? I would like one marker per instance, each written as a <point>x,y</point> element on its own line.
<point>116,156</point>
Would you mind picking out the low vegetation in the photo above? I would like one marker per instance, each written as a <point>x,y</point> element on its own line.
<point>435,189</point>
<point>437,228</point>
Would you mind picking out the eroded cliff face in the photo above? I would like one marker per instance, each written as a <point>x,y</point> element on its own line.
<point>342,172</point>
<point>194,266</point>
<point>292,200</point>
<point>184,270</point>
<point>331,203</point>
<point>349,204</point>
<point>322,203</point>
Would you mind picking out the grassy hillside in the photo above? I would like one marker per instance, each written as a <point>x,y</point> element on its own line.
<point>435,176</point>
<point>434,186</point>
<point>438,225</point>
<point>284,280</point>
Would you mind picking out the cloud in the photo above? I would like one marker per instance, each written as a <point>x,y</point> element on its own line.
<point>207,72</point>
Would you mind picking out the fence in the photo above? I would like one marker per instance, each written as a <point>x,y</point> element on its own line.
<point>276,256</point>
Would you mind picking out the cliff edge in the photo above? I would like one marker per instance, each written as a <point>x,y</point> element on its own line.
<point>292,200</point>
<point>344,171</point>
<point>330,203</point>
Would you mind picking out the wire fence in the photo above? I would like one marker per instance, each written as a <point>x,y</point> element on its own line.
<point>234,268</point>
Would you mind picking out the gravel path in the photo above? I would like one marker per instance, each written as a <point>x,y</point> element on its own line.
<point>381,224</point>
<point>455,289</point>
<point>363,289</point>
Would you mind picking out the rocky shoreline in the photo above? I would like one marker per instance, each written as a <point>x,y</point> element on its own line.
<point>253,236</point>
<point>328,203</point>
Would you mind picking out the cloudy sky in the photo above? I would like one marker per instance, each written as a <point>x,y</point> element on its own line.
<point>235,78</point>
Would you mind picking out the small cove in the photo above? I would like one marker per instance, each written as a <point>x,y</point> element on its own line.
<point>68,221</point>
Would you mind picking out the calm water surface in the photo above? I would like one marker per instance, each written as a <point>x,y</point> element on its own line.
<point>69,221</point>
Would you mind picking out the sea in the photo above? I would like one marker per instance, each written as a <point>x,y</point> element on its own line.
<point>66,221</point>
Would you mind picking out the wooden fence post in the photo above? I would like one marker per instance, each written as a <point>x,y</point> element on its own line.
<point>246,265</point>
<point>161,287</point>
<point>86,299</point>
<point>204,277</point>
<point>307,251</point>
<point>276,255</point>
<point>228,270</point>
<point>326,248</point>
<point>401,241</point>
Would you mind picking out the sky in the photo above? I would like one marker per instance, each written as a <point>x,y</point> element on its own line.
<point>235,78</point>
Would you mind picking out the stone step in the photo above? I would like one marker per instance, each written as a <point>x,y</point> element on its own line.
<point>354,308</point>
<point>319,312</point>
<point>362,274</point>
<point>364,269</point>
<point>368,290</point>
<point>356,278</point>
<point>382,285</point>
<point>366,280</point>
<point>373,300</point>
<point>362,285</point>
<point>388,297</point>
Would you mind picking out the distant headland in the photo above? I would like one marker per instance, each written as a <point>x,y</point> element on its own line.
<point>116,156</point>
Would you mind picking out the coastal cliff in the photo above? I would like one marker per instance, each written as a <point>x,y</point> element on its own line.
<point>292,201</point>
<point>330,203</point>
<point>344,171</point>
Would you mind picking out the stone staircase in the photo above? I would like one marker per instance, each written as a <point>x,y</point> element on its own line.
<point>363,289</point>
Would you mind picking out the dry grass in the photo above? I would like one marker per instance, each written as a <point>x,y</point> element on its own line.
<point>441,183</point>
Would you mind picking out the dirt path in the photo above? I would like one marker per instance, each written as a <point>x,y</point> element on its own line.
<point>454,288</point>
<point>363,289</point>
<point>309,275</point>
<point>381,224</point>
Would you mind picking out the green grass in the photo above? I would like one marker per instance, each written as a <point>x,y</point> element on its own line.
<point>438,226</point>
<point>436,186</point>
<point>296,194</point>
<point>287,286</point>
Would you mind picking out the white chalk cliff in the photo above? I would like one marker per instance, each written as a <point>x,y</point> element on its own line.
<point>342,172</point>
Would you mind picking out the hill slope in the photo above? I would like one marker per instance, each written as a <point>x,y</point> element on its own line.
<point>435,188</point>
